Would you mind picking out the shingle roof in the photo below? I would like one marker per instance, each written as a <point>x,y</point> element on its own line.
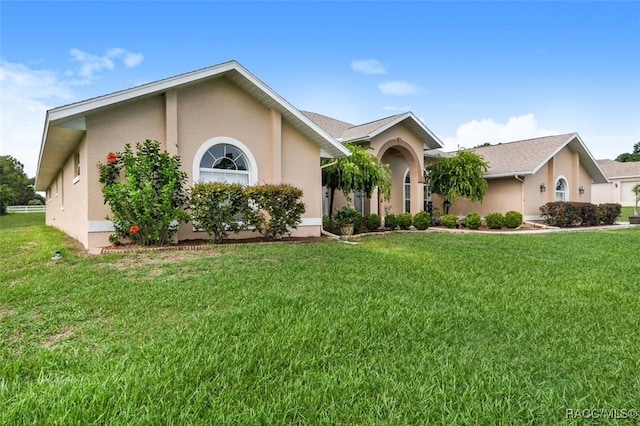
<point>526,157</point>
<point>521,157</point>
<point>347,132</point>
<point>617,169</point>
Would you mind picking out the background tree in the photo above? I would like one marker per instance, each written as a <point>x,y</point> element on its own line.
<point>360,172</point>
<point>15,187</point>
<point>633,156</point>
<point>456,177</point>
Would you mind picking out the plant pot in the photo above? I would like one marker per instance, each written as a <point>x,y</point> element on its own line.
<point>634,220</point>
<point>346,230</point>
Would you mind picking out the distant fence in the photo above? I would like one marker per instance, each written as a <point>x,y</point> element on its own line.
<point>26,209</point>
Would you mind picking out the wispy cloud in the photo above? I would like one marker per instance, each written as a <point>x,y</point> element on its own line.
<point>399,88</point>
<point>91,64</point>
<point>368,66</point>
<point>476,132</point>
<point>26,93</point>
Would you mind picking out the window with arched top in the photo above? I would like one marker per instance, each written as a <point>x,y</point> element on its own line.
<point>561,190</point>
<point>407,192</point>
<point>225,159</point>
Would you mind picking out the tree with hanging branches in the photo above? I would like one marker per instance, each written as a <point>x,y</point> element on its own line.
<point>359,172</point>
<point>456,177</point>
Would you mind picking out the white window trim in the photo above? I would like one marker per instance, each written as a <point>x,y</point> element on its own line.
<point>253,165</point>
<point>567,192</point>
<point>404,192</point>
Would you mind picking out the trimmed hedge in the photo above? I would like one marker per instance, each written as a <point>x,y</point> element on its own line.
<point>405,220</point>
<point>422,220</point>
<point>372,222</point>
<point>449,220</point>
<point>512,219</point>
<point>216,207</point>
<point>473,221</point>
<point>495,220</point>
<point>608,213</point>
<point>278,208</point>
<point>391,221</point>
<point>566,214</point>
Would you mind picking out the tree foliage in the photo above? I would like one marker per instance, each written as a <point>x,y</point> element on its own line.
<point>633,156</point>
<point>360,172</point>
<point>15,187</point>
<point>459,177</point>
<point>147,205</point>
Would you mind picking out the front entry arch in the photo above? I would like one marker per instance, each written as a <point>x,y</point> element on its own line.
<point>407,177</point>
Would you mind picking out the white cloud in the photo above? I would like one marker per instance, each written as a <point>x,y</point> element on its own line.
<point>368,66</point>
<point>398,88</point>
<point>27,93</point>
<point>477,132</point>
<point>92,64</point>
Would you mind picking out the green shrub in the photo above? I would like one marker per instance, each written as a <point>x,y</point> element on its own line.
<point>495,220</point>
<point>147,205</point>
<point>436,214</point>
<point>346,216</point>
<point>608,213</point>
<point>565,214</point>
<point>405,220</point>
<point>422,220</point>
<point>329,224</point>
<point>373,222</point>
<point>512,219</point>
<point>219,208</point>
<point>278,209</point>
<point>449,220</point>
<point>391,221</point>
<point>473,221</point>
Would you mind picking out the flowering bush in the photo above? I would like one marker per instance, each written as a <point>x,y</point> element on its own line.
<point>146,202</point>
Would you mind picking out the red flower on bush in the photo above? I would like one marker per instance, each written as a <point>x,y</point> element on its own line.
<point>111,158</point>
<point>134,229</point>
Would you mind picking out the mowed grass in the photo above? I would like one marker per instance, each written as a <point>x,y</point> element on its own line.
<point>400,329</point>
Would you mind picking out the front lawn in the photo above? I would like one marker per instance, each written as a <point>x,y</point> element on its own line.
<point>399,329</point>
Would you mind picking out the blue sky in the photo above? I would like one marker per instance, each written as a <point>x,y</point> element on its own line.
<point>474,72</point>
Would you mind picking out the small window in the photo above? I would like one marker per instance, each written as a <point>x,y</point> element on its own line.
<point>407,192</point>
<point>76,167</point>
<point>561,190</point>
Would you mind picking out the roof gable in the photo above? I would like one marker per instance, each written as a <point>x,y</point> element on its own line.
<point>54,150</point>
<point>526,157</point>
<point>348,133</point>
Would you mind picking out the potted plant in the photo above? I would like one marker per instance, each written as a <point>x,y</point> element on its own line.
<point>346,217</point>
<point>635,219</point>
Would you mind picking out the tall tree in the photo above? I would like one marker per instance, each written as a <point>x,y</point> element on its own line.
<point>359,172</point>
<point>456,177</point>
<point>633,156</point>
<point>15,187</point>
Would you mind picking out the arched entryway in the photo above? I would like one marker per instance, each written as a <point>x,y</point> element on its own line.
<point>407,179</point>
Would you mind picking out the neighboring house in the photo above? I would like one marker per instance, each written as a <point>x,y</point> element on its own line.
<point>524,175</point>
<point>623,177</point>
<point>202,116</point>
<point>400,142</point>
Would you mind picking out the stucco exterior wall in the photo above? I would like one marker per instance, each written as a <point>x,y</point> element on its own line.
<point>183,121</point>
<point>66,203</point>
<point>502,195</point>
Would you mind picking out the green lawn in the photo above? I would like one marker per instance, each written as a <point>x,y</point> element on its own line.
<point>400,329</point>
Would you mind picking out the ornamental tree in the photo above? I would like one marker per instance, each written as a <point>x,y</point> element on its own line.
<point>360,172</point>
<point>147,201</point>
<point>456,177</point>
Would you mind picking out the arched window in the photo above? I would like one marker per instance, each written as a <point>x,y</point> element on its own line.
<point>407,192</point>
<point>561,190</point>
<point>225,160</point>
